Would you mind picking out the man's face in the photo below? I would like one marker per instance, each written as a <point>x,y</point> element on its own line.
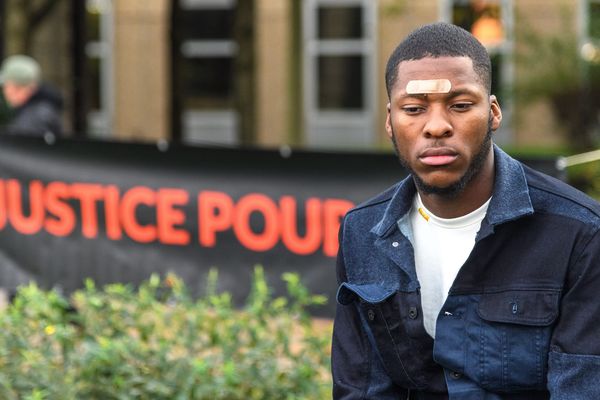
<point>17,95</point>
<point>443,138</point>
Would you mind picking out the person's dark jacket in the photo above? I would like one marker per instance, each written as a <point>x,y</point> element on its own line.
<point>522,318</point>
<point>39,116</point>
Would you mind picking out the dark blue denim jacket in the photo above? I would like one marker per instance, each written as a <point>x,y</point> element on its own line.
<point>522,319</point>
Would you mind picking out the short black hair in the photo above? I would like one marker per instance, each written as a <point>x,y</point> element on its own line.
<point>440,39</point>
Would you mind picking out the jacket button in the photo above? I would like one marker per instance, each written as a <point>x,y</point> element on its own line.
<point>412,313</point>
<point>455,375</point>
<point>371,314</point>
<point>515,308</point>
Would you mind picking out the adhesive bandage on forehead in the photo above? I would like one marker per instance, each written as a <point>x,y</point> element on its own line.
<point>428,86</point>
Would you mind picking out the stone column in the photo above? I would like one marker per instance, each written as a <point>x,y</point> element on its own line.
<point>141,69</point>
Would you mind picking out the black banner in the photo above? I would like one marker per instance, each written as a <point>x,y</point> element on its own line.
<point>117,212</point>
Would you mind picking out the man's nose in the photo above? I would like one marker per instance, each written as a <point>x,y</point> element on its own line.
<point>438,124</point>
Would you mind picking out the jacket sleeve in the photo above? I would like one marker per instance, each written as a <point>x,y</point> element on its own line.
<point>574,359</point>
<point>356,369</point>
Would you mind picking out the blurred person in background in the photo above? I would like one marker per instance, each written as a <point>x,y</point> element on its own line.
<point>35,109</point>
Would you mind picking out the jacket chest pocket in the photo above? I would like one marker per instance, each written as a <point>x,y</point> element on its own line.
<point>394,320</point>
<point>514,338</point>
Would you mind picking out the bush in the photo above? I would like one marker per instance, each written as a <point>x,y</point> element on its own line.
<point>586,177</point>
<point>156,342</point>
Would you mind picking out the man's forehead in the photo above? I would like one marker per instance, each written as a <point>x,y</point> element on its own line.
<point>435,75</point>
<point>428,68</point>
<point>428,86</point>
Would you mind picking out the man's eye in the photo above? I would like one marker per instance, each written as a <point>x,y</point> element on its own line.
<point>413,109</point>
<point>462,106</point>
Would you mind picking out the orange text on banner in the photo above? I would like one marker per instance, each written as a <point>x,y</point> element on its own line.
<point>147,215</point>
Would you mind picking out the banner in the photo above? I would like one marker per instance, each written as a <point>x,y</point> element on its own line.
<point>118,212</point>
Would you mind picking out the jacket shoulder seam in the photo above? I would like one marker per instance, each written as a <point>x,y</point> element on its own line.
<point>568,198</point>
<point>565,196</point>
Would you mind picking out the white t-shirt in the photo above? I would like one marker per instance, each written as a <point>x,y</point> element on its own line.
<point>441,248</point>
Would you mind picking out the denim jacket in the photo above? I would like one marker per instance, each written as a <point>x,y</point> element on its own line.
<point>522,318</point>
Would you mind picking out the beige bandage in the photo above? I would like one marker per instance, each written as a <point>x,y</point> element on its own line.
<point>428,86</point>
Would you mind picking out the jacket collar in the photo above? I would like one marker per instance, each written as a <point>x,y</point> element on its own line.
<point>510,199</point>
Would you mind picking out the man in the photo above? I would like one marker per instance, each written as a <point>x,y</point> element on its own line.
<point>35,108</point>
<point>476,277</point>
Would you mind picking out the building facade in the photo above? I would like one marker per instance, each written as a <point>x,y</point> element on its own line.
<point>303,73</point>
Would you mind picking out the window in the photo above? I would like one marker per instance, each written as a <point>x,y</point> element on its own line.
<point>99,84</point>
<point>205,71</point>
<point>491,22</point>
<point>590,35</point>
<point>339,60</point>
<point>589,47</point>
<point>594,20</point>
<point>340,83</point>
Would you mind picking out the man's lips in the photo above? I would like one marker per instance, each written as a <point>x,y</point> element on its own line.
<point>438,156</point>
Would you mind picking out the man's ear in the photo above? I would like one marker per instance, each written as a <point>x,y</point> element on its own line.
<point>388,122</point>
<point>495,112</point>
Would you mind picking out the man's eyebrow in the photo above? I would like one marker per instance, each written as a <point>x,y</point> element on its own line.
<point>452,94</point>
<point>460,92</point>
<point>416,95</point>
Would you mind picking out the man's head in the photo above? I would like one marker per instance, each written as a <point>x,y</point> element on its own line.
<point>441,114</point>
<point>440,40</point>
<point>20,77</point>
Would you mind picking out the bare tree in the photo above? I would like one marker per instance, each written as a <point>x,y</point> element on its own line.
<point>24,18</point>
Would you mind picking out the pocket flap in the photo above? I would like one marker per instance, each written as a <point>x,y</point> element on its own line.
<point>525,307</point>
<point>370,293</point>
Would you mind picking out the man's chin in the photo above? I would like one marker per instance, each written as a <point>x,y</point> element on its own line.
<point>446,190</point>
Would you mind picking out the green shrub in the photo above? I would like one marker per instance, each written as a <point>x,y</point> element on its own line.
<point>156,342</point>
<point>586,177</point>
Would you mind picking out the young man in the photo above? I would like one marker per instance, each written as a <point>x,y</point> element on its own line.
<point>476,277</point>
<point>35,108</point>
